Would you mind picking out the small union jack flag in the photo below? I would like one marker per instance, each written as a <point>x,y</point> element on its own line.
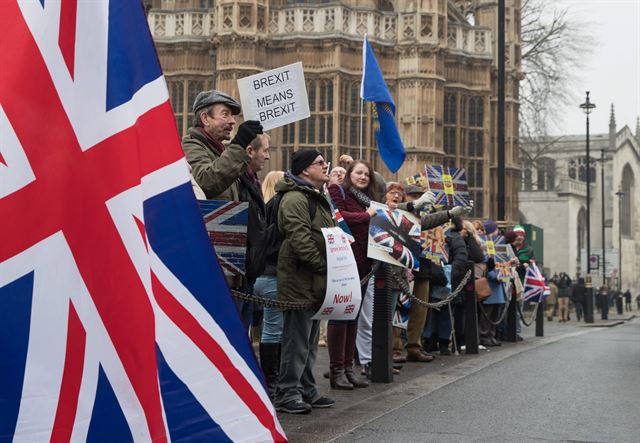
<point>433,246</point>
<point>535,287</point>
<point>226,223</point>
<point>349,309</point>
<point>327,311</point>
<point>449,184</point>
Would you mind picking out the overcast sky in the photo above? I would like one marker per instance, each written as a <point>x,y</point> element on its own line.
<point>612,73</point>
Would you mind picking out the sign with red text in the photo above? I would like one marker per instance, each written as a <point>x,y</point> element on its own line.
<point>343,296</point>
<point>275,98</point>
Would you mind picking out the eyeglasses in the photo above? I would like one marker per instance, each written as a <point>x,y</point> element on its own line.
<point>396,193</point>
<point>319,162</point>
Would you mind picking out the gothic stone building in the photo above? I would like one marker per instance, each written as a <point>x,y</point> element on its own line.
<point>437,56</point>
<point>554,197</point>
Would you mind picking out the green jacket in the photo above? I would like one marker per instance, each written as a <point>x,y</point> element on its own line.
<point>217,174</point>
<point>302,260</point>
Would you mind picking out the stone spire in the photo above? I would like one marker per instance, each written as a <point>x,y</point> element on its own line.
<point>612,129</point>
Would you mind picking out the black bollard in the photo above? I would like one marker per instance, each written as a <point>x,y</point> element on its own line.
<point>512,314</point>
<point>470,315</point>
<point>540,318</point>
<point>382,350</point>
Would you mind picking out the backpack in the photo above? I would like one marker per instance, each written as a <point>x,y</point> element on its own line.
<point>273,237</point>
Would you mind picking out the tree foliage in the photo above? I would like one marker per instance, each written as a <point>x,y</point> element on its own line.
<point>556,44</point>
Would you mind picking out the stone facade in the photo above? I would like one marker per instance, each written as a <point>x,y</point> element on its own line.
<point>438,58</point>
<point>553,197</point>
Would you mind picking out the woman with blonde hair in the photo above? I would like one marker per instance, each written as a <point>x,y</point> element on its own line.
<point>266,286</point>
<point>269,184</point>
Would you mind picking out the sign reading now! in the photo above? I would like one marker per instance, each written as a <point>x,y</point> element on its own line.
<point>275,98</point>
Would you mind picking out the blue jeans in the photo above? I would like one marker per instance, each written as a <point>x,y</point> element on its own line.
<point>267,287</point>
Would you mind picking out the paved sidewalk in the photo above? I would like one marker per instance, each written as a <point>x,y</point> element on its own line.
<point>354,408</point>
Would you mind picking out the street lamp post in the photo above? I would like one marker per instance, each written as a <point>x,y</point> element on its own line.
<point>588,107</point>
<point>604,307</point>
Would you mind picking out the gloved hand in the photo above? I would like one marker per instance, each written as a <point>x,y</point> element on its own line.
<point>247,131</point>
<point>427,199</point>
<point>491,264</point>
<point>461,210</point>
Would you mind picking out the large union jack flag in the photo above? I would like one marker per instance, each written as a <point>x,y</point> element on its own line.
<point>115,320</point>
<point>449,184</point>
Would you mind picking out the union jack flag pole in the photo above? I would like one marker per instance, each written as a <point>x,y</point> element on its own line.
<point>116,323</point>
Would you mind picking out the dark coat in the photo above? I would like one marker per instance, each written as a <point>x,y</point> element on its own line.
<point>302,261</point>
<point>357,218</point>
<point>257,223</point>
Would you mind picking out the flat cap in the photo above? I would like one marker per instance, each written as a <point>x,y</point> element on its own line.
<point>208,98</point>
<point>413,190</point>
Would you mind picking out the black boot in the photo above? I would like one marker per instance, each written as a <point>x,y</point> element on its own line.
<point>444,347</point>
<point>270,364</point>
<point>338,379</point>
<point>356,381</point>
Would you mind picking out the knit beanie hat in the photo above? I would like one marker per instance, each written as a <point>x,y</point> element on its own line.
<point>519,230</point>
<point>489,226</point>
<point>302,159</point>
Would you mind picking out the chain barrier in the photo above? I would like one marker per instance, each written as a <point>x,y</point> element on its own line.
<point>502,315</point>
<point>533,318</point>
<point>290,305</point>
<point>404,287</point>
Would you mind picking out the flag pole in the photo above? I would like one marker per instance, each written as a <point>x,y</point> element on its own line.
<point>361,124</point>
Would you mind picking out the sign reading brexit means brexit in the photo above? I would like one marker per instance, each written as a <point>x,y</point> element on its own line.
<point>275,98</point>
<point>343,297</point>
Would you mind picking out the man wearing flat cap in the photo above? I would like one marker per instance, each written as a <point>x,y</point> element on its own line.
<point>216,167</point>
<point>302,278</point>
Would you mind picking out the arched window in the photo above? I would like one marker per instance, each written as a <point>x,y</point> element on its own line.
<point>527,176</point>
<point>573,168</point>
<point>628,209</point>
<point>546,174</point>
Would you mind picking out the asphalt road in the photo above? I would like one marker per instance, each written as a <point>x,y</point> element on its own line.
<point>584,388</point>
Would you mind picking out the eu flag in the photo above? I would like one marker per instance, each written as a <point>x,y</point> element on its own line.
<point>374,89</point>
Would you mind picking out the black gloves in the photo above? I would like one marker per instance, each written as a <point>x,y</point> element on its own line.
<point>491,264</point>
<point>247,131</point>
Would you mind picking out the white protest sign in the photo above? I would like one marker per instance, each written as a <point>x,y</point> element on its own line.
<point>275,98</point>
<point>343,297</point>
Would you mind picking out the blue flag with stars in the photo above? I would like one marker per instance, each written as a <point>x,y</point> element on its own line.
<point>374,89</point>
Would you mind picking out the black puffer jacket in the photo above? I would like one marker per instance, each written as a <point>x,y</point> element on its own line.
<point>257,223</point>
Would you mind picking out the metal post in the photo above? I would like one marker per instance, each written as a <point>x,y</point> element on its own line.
<point>512,318</point>
<point>381,349</point>
<point>620,194</point>
<point>604,311</point>
<point>542,307</point>
<point>471,339</point>
<point>501,108</point>
<point>587,107</point>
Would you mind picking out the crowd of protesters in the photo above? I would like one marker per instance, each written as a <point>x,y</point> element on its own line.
<point>286,258</point>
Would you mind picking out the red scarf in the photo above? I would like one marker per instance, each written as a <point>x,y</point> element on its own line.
<point>216,144</point>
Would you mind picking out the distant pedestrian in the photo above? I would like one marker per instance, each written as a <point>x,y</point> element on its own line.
<point>627,300</point>
<point>552,299</point>
<point>638,301</point>
<point>564,288</point>
<point>578,294</point>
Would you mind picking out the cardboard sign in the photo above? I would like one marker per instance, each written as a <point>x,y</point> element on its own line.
<point>275,98</point>
<point>343,297</point>
<point>394,237</point>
